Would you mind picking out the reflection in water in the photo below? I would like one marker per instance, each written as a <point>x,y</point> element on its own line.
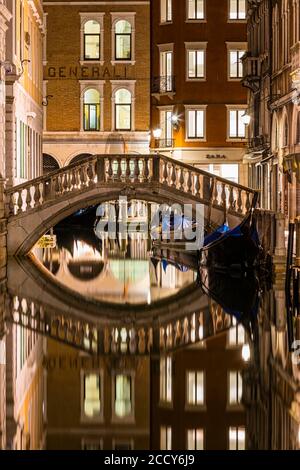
<point>206,369</point>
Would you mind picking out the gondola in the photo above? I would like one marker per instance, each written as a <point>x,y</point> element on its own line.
<point>232,250</point>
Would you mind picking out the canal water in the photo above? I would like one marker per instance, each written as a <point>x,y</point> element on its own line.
<point>121,343</point>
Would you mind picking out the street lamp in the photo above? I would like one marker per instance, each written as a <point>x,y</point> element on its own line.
<point>246,353</point>
<point>246,118</point>
<point>175,121</point>
<point>157,133</point>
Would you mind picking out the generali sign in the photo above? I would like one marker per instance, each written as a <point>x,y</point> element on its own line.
<point>86,72</point>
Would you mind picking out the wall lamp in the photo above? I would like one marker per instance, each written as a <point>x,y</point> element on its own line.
<point>45,101</point>
<point>246,118</point>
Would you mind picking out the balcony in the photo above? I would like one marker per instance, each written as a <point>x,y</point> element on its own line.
<point>164,143</point>
<point>258,142</point>
<point>164,85</point>
<point>295,59</point>
<point>251,72</point>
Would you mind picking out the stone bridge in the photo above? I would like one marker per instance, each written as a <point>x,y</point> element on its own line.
<point>32,208</point>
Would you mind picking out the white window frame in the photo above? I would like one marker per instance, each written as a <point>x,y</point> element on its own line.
<point>117,441</point>
<point>195,20</point>
<point>130,17</point>
<point>163,400</point>
<point>130,419</point>
<point>235,107</point>
<point>236,345</point>
<point>236,429</point>
<point>87,441</point>
<point>190,406</point>
<point>161,10</point>
<point>165,109</point>
<point>237,405</point>
<point>84,17</point>
<point>118,85</point>
<point>83,417</point>
<point>163,48</point>
<point>194,430</point>
<point>236,20</point>
<point>195,46</point>
<point>233,47</point>
<point>165,428</point>
<point>96,85</point>
<point>195,108</point>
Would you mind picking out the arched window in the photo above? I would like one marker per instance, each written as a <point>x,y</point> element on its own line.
<point>91,110</point>
<point>92,40</point>
<point>80,158</point>
<point>285,132</point>
<point>123,40</point>
<point>49,164</point>
<point>298,129</point>
<point>123,110</point>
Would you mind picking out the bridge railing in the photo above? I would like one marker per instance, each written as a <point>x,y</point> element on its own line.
<point>130,170</point>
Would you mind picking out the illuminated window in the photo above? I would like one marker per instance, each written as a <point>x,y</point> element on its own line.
<point>196,66</point>
<point>195,10</point>
<point>236,335</point>
<point>91,395</point>
<point>237,128</point>
<point>166,379</point>
<point>166,127</point>
<point>92,40</point>
<point>165,11</point>
<point>91,444</point>
<point>165,438</point>
<point>123,101</point>
<point>235,63</point>
<point>195,122</point>
<point>123,396</point>
<point>166,72</point>
<point>235,388</point>
<point>195,439</point>
<point>123,40</point>
<point>237,438</point>
<point>195,388</point>
<point>91,113</point>
<point>237,9</point>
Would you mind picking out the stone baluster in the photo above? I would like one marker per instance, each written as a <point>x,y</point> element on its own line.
<point>73,179</point>
<point>128,169</point>
<point>165,173</point>
<point>65,182</point>
<point>240,201</point>
<point>119,169</point>
<point>37,195</point>
<point>136,170</point>
<point>19,201</point>
<point>28,199</point>
<point>91,173</point>
<point>173,176</point>
<point>216,193</point>
<point>223,196</point>
<point>146,169</point>
<point>231,198</point>
<point>189,182</point>
<point>181,179</point>
<point>110,171</point>
<point>197,186</point>
<point>248,203</point>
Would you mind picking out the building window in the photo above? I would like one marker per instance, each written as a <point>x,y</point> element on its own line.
<point>165,438</point>
<point>195,64</point>
<point>236,335</point>
<point>123,445</point>
<point>167,128</point>
<point>237,438</point>
<point>166,379</point>
<point>298,129</point>
<point>285,132</point>
<point>237,128</point>
<point>166,72</point>
<point>195,388</point>
<point>123,40</point>
<point>165,11</point>
<point>237,9</point>
<point>91,395</point>
<point>91,444</point>
<point>123,396</point>
<point>91,40</point>
<point>235,388</point>
<point>123,101</point>
<point>195,124</point>
<point>195,439</point>
<point>195,10</point>
<point>235,63</point>
<point>91,110</point>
